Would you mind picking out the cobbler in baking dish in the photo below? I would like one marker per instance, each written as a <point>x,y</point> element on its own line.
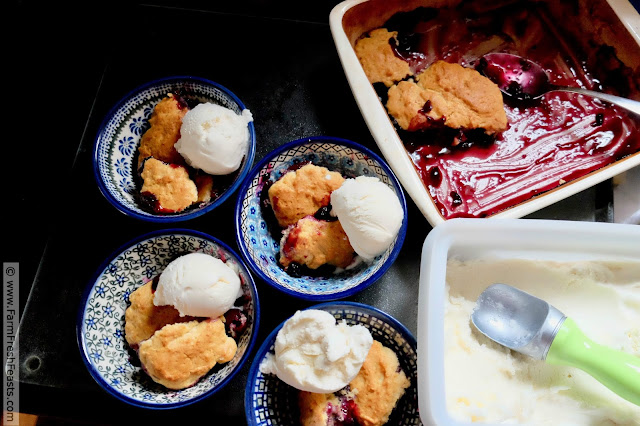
<point>476,153</point>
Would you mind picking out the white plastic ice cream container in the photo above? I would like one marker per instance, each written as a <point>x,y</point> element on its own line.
<point>472,239</point>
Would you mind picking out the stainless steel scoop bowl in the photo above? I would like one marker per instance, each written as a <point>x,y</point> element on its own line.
<point>517,320</point>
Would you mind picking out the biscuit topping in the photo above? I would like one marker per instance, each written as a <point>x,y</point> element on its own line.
<point>314,242</point>
<point>378,59</point>
<point>178,355</point>
<point>143,318</point>
<point>302,192</point>
<point>169,185</point>
<point>159,140</point>
<point>458,97</point>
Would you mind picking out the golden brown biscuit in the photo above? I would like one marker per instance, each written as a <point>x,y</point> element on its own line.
<point>169,184</point>
<point>378,60</point>
<point>314,242</point>
<point>164,132</point>
<point>302,192</point>
<point>143,318</point>
<point>378,386</point>
<point>461,97</point>
<point>178,355</point>
<point>405,101</point>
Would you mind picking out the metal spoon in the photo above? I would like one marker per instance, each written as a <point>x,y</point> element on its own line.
<point>523,79</point>
<point>533,327</point>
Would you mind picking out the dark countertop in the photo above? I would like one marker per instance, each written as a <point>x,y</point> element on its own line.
<point>280,61</point>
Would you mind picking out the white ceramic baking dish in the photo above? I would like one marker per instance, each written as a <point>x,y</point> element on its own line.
<point>352,18</point>
<point>470,239</point>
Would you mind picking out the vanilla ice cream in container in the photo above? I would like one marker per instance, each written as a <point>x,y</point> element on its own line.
<point>370,214</point>
<point>198,285</point>
<point>214,138</point>
<point>314,354</point>
<point>488,383</point>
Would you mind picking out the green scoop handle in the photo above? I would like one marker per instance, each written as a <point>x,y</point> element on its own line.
<point>617,370</point>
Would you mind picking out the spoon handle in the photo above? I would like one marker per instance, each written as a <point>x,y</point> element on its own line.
<point>617,370</point>
<point>628,104</point>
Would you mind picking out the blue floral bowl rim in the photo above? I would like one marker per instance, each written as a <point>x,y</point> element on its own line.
<point>195,213</point>
<point>340,294</point>
<point>264,348</point>
<point>87,292</point>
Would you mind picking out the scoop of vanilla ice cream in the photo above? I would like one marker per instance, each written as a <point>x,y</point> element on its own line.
<point>214,138</point>
<point>314,354</point>
<point>370,214</point>
<point>198,285</point>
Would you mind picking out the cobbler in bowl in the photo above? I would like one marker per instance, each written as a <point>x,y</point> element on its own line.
<point>383,391</point>
<point>296,240</point>
<point>149,354</point>
<point>157,157</point>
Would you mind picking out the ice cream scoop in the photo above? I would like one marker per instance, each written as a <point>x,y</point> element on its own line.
<point>198,285</point>
<point>314,354</point>
<point>370,214</point>
<point>523,79</point>
<point>531,326</point>
<point>214,138</point>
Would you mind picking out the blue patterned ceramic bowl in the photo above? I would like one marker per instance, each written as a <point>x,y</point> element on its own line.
<point>100,325</point>
<point>270,401</point>
<point>260,249</point>
<point>116,145</point>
